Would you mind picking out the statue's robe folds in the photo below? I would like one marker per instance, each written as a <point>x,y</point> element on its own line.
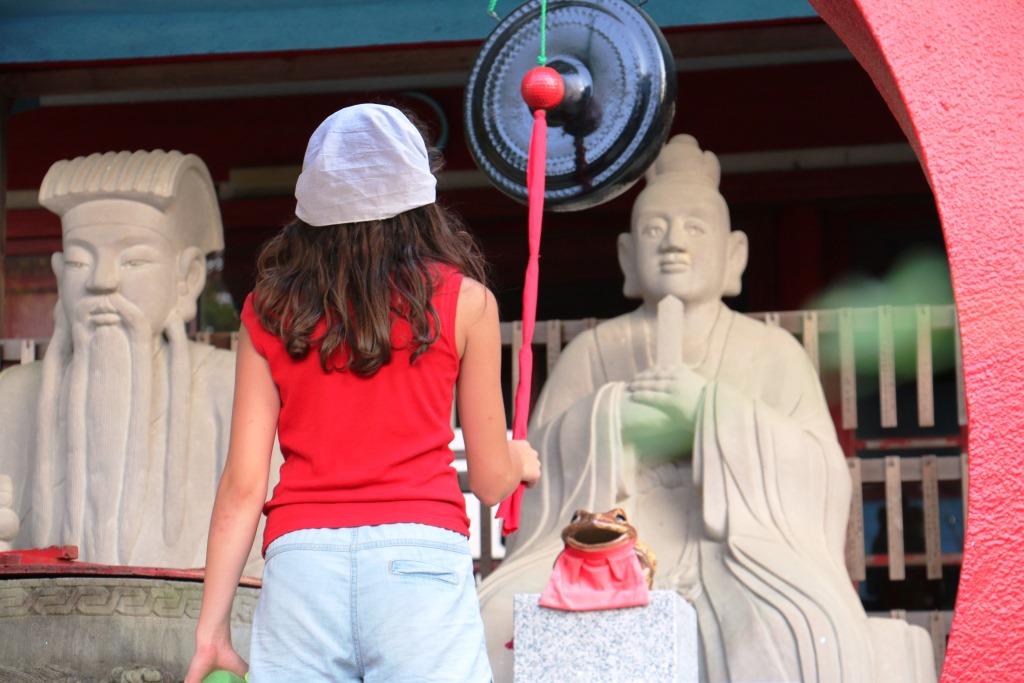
<point>751,529</point>
<point>212,390</point>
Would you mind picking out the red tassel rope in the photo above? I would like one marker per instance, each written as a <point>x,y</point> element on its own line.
<point>542,89</point>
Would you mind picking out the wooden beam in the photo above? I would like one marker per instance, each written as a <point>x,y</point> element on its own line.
<point>894,518</point>
<point>794,37</point>
<point>947,468</point>
<point>35,80</point>
<point>554,343</point>
<point>932,530</point>
<point>234,70</point>
<point>517,344</point>
<point>925,369</point>
<point>847,369</point>
<point>810,339</point>
<point>855,556</point>
<point>886,366</point>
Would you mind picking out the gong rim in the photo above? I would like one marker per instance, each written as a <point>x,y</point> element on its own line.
<point>627,137</point>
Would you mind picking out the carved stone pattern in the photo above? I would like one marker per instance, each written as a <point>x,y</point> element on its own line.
<point>107,599</point>
<point>62,674</point>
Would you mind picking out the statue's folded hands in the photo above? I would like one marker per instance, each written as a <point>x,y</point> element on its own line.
<point>657,423</point>
<point>659,412</point>
<point>677,391</point>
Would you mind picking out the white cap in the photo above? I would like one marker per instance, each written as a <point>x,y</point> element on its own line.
<point>363,163</point>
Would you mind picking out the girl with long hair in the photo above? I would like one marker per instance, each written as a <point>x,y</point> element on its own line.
<point>369,310</point>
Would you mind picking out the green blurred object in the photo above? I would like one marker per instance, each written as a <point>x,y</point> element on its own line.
<point>217,312</point>
<point>919,276</point>
<point>221,676</point>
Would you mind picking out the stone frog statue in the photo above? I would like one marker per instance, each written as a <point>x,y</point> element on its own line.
<point>603,565</point>
<point>591,531</point>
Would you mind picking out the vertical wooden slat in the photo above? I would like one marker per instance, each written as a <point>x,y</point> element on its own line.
<point>855,561</point>
<point>847,370</point>
<point>900,614</point>
<point>497,545</point>
<point>964,487</point>
<point>517,344</point>
<point>27,351</point>
<point>234,341</point>
<point>886,366</point>
<point>932,532</point>
<point>455,402</point>
<point>810,338</point>
<point>472,512</point>
<point>203,337</point>
<point>773,319</point>
<point>938,631</point>
<point>486,557</point>
<point>918,619</point>
<point>925,391</point>
<point>554,343</point>
<point>894,517</point>
<point>958,364</point>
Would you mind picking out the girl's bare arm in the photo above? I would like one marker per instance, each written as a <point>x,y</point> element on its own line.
<point>237,508</point>
<point>496,465</point>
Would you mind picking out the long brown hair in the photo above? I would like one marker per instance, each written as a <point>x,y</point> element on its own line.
<point>360,277</point>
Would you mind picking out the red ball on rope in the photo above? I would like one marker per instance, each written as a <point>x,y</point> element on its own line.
<point>542,88</point>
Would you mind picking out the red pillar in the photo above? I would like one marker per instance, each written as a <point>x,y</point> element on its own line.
<point>952,71</point>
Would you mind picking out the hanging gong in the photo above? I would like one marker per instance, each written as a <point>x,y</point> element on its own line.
<point>620,91</point>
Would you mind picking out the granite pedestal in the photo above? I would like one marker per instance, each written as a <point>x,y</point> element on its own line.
<point>653,644</point>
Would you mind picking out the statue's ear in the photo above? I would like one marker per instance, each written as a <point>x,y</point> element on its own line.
<point>735,262</point>
<point>191,280</point>
<point>627,262</point>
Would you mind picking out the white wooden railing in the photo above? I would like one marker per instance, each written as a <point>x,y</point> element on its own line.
<point>823,333</point>
<point>816,330</point>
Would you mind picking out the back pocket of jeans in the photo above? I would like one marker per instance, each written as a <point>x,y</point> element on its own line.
<point>416,570</point>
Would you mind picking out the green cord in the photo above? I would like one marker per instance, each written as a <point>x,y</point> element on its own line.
<point>542,58</point>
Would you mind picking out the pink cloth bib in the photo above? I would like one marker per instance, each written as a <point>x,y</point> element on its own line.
<point>609,578</point>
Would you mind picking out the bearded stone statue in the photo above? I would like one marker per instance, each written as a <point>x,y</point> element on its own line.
<point>114,442</point>
<point>727,463</point>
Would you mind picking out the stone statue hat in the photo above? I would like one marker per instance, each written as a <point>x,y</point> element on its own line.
<point>178,185</point>
<point>681,160</point>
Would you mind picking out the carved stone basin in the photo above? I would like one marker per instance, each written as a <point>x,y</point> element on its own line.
<point>99,623</point>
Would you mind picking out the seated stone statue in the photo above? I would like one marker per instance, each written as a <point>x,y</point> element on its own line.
<point>727,464</point>
<point>114,442</point>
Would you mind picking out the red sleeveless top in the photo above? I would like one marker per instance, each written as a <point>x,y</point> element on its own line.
<point>367,450</point>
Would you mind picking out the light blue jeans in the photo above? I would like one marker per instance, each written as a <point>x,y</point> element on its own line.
<point>395,602</point>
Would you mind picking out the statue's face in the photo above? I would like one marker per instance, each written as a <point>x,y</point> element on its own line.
<point>680,236</point>
<point>136,263</point>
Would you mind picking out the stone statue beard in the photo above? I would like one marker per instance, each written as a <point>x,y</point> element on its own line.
<point>96,408</point>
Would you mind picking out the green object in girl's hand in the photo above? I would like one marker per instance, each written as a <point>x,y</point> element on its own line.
<point>221,676</point>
